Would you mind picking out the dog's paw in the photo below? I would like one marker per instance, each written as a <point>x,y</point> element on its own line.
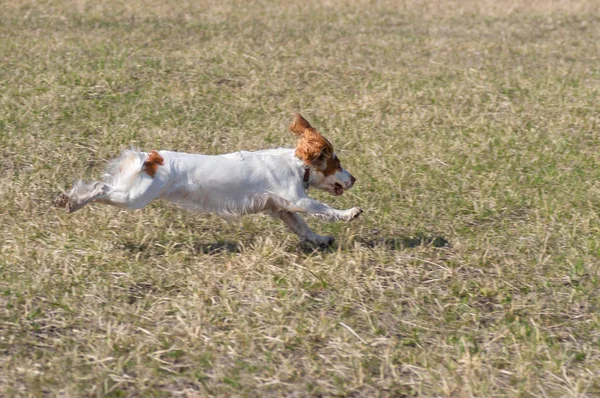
<point>62,200</point>
<point>354,213</point>
<point>327,241</point>
<point>323,241</point>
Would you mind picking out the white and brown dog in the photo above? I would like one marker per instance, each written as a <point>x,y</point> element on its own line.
<point>273,181</point>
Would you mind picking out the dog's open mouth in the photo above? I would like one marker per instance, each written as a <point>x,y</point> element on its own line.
<point>337,189</point>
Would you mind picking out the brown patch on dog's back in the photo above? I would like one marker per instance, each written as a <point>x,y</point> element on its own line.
<point>151,164</point>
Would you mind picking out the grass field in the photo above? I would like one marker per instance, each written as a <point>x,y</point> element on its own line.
<point>473,130</point>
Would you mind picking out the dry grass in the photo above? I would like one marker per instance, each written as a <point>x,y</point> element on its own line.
<point>471,123</point>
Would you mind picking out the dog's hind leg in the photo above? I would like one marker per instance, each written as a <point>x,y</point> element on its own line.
<point>129,182</point>
<point>82,194</point>
<point>136,197</point>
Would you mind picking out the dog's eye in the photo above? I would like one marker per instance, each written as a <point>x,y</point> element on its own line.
<point>322,156</point>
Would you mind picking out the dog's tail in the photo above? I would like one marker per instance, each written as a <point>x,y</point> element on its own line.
<point>126,170</point>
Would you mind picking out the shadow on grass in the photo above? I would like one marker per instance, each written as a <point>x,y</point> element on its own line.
<point>389,243</point>
<point>405,242</point>
<point>218,247</point>
<point>204,248</point>
<point>231,247</point>
<point>303,247</point>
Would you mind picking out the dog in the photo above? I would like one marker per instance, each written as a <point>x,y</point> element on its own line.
<point>274,181</point>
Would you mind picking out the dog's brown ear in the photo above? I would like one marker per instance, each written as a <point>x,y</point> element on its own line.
<point>314,149</point>
<point>299,125</point>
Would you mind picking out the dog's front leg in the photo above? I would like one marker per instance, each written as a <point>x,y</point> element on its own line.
<point>301,228</point>
<point>317,209</point>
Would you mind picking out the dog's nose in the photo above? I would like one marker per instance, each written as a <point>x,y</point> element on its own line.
<point>352,180</point>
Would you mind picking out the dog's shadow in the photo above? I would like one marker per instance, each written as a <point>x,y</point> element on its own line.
<point>210,249</point>
<point>405,242</point>
<point>388,243</point>
<point>214,248</point>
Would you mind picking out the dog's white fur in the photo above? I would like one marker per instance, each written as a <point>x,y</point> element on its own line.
<point>228,185</point>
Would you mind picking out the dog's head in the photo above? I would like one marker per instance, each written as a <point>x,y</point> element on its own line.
<point>317,152</point>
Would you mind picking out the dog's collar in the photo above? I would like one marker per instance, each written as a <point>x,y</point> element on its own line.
<point>306,178</point>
